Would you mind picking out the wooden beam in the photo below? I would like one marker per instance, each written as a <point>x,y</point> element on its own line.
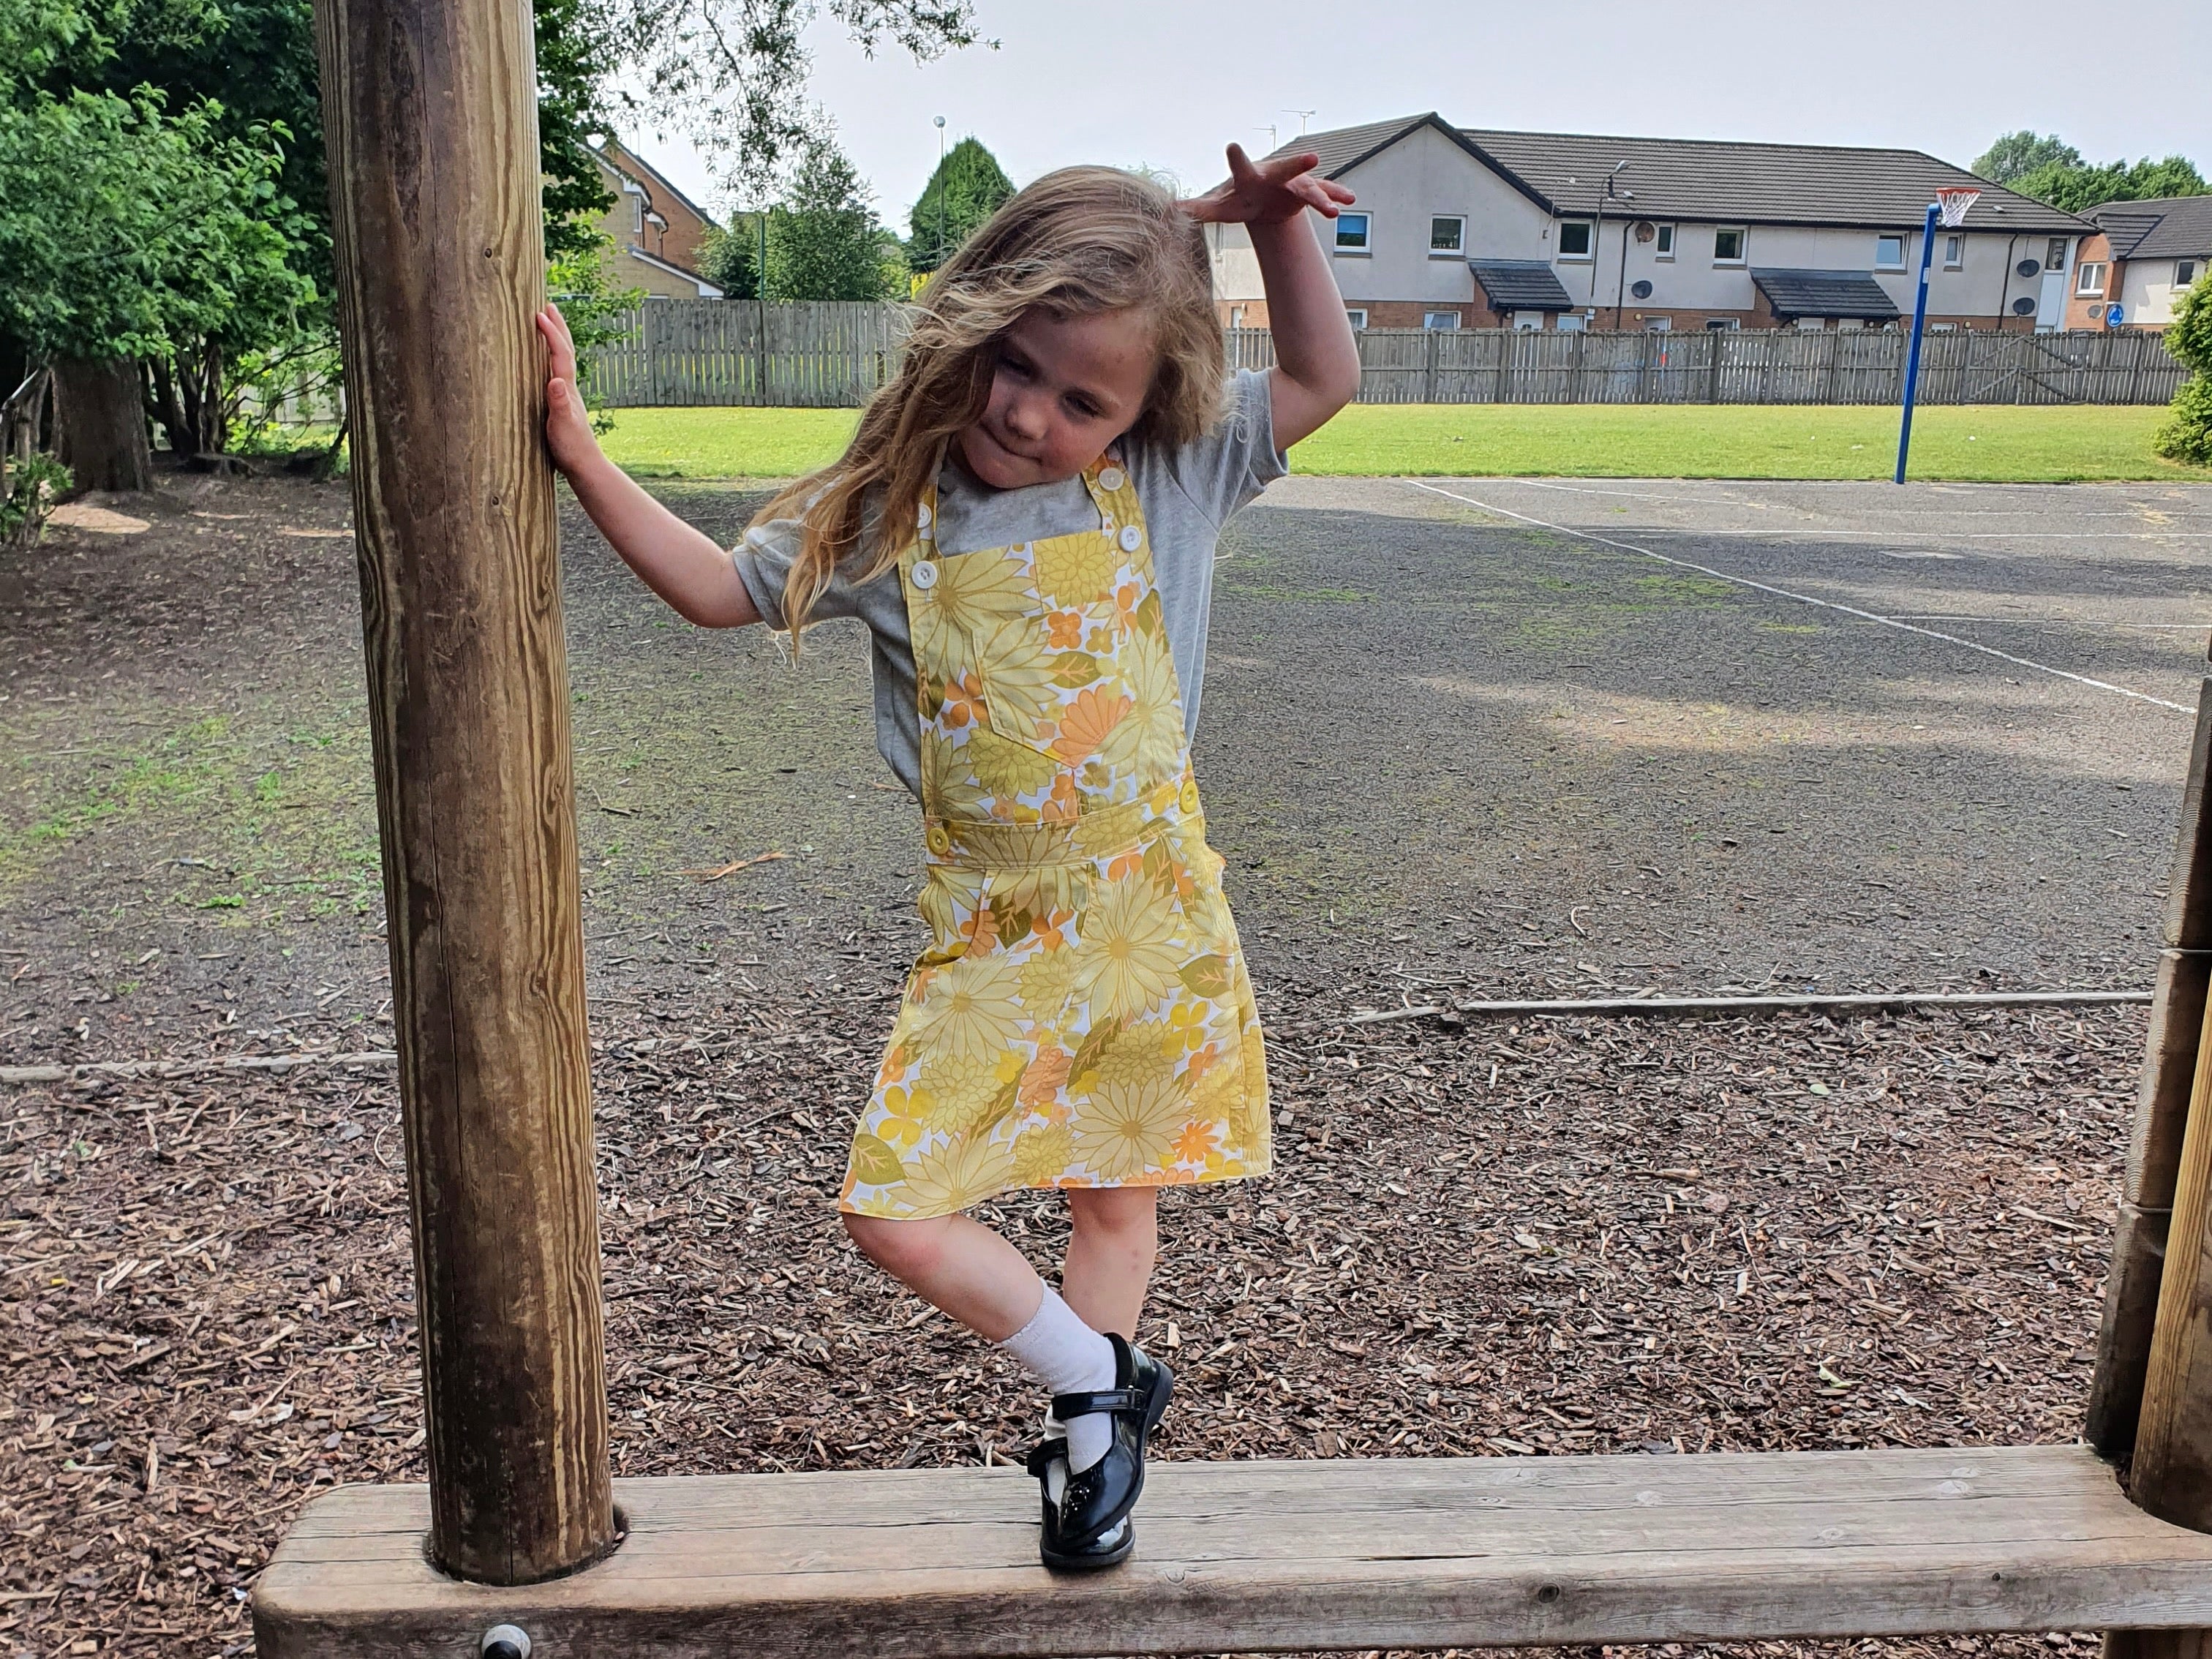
<point>2171,1472</point>
<point>1239,1557</point>
<point>2169,1069</point>
<point>429,113</point>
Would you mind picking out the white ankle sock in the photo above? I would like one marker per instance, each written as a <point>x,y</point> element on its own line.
<point>1068,1357</point>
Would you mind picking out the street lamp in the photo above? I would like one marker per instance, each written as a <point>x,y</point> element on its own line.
<point>940,189</point>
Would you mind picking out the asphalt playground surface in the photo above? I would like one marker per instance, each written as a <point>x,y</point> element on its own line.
<point>1514,736</point>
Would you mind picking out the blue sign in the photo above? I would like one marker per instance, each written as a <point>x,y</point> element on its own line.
<point>2115,314</point>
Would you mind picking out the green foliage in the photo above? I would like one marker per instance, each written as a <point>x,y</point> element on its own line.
<point>123,229</point>
<point>729,257</point>
<point>33,486</point>
<point>2187,433</point>
<point>735,70</point>
<point>823,242</point>
<point>966,189</point>
<point>2077,186</point>
<point>2016,153</point>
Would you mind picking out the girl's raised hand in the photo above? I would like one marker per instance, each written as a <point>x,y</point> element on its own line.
<point>567,426</point>
<point>1269,192</point>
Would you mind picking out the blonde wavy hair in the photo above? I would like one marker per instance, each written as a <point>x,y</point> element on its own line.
<point>1077,242</point>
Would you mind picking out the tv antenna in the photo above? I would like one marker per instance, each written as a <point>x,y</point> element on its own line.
<point>1304,115</point>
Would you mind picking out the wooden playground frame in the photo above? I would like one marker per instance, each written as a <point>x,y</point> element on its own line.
<point>430,119</point>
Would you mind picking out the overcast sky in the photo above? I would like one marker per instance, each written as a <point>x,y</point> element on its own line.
<point>1168,83</point>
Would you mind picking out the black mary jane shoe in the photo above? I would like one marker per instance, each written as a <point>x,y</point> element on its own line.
<point>1086,1515</point>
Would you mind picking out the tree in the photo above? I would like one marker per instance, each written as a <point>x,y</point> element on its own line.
<point>823,242</point>
<point>729,257</point>
<point>123,229</point>
<point>966,189</point>
<point>736,70</point>
<point>2187,433</point>
<point>2018,153</point>
<point>2077,187</point>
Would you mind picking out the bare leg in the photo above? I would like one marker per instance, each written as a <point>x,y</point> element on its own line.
<point>959,1267</point>
<point>1115,1236</point>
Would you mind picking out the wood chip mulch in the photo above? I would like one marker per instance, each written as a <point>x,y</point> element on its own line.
<point>1503,1240</point>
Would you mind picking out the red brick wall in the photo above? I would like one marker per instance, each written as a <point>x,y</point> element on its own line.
<point>2088,314</point>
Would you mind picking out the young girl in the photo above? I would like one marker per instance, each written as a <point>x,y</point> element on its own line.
<point>1025,520</point>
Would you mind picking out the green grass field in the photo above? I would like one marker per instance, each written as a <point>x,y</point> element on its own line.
<point>1991,444</point>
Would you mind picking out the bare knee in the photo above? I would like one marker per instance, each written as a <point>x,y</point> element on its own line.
<point>1125,1216</point>
<point>906,1251</point>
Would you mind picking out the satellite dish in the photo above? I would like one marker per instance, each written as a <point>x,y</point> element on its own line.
<point>1645,230</point>
<point>1639,290</point>
<point>2023,306</point>
<point>2027,268</point>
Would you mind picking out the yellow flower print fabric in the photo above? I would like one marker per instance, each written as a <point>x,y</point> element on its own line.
<point>1082,1016</point>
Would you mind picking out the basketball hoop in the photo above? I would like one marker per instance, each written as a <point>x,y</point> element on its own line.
<point>1954,200</point>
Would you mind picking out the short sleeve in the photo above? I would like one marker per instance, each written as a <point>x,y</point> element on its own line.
<point>763,561</point>
<point>1227,467</point>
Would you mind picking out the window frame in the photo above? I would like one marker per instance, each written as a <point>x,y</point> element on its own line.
<point>1662,241</point>
<point>1724,324</point>
<point>1429,322</point>
<point>1589,227</point>
<point>1658,325</point>
<point>1357,316</point>
<point>1742,254</point>
<point>1881,239</point>
<point>1570,322</point>
<point>2087,272</point>
<point>1360,250</point>
<point>2188,265</point>
<point>1955,250</point>
<point>2054,253</point>
<point>1458,250</point>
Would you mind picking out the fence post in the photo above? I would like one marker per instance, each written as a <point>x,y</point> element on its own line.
<point>1433,345</point>
<point>1713,338</point>
<point>476,801</point>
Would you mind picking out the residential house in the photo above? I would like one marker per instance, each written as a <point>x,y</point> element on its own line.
<point>658,230</point>
<point>2140,255</point>
<point>1465,227</point>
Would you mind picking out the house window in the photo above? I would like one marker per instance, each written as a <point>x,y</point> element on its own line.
<point>1811,324</point>
<point>1889,252</point>
<point>1728,246</point>
<point>1447,236</point>
<point>1845,324</point>
<point>1658,325</point>
<point>1236,316</point>
<point>2054,257</point>
<point>1356,315</point>
<point>1942,328</point>
<point>1351,232</point>
<point>2184,272</point>
<point>1528,322</point>
<point>1955,253</point>
<point>1572,322</point>
<point>2089,280</point>
<point>1723,325</point>
<point>1663,247</point>
<point>1440,320</point>
<point>1575,240</point>
<point>636,214</point>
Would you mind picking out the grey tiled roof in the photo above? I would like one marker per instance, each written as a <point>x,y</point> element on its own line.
<point>1521,285</point>
<point>1710,180</point>
<point>2171,227</point>
<point>1825,294</point>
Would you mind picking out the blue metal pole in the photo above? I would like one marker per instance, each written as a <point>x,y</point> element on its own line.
<point>1912,355</point>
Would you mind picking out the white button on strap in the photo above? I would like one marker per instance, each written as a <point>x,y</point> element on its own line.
<point>925,575</point>
<point>1131,537</point>
<point>1112,478</point>
<point>921,516</point>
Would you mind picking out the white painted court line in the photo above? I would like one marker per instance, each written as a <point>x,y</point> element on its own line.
<point>1807,598</point>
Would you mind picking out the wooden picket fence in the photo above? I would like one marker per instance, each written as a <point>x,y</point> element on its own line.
<point>834,354</point>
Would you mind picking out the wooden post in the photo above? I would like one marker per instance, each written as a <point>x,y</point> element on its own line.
<point>430,119</point>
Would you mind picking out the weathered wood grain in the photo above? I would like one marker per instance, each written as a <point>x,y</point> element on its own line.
<point>430,122</point>
<point>2177,1021</point>
<point>2172,1474</point>
<point>1286,1557</point>
<point>2188,891</point>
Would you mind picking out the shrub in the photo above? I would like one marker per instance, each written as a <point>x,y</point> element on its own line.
<point>2187,436</point>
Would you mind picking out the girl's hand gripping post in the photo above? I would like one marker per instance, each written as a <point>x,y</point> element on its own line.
<point>680,564</point>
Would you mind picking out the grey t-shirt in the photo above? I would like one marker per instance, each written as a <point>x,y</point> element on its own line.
<point>1188,495</point>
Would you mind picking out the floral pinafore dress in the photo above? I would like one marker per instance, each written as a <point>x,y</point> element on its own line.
<point>1082,1016</point>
